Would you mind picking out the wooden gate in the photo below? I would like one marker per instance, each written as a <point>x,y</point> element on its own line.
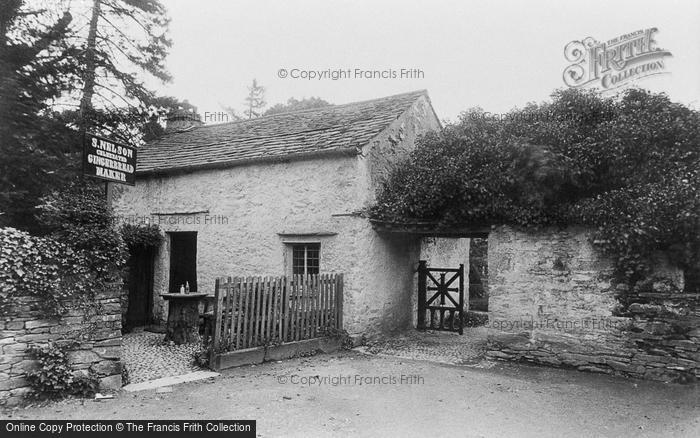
<point>437,307</point>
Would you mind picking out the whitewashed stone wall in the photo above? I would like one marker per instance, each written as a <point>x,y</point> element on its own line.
<point>265,203</point>
<point>443,252</point>
<point>550,273</point>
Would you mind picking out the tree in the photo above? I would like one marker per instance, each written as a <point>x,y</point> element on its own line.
<point>255,101</point>
<point>158,108</point>
<point>36,143</point>
<point>123,37</point>
<point>46,54</point>
<point>629,166</point>
<point>296,105</point>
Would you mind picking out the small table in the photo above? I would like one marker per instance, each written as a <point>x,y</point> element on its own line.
<point>183,317</point>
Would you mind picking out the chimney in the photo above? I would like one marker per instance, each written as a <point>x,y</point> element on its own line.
<point>179,120</point>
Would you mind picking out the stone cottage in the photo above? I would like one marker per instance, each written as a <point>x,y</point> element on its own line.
<point>283,194</point>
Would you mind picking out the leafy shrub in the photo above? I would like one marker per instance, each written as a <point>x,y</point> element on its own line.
<point>54,378</point>
<point>78,215</point>
<point>41,268</point>
<point>81,254</point>
<point>627,165</point>
<point>141,236</point>
<point>200,357</point>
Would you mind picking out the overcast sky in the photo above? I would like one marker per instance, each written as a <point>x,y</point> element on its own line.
<point>493,54</point>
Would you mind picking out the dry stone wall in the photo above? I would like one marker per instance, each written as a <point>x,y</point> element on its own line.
<point>552,301</point>
<point>94,343</point>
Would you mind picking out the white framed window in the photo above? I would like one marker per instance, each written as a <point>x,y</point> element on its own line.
<point>303,252</point>
<point>305,258</point>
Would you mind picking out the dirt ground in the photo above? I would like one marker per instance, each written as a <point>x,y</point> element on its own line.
<point>352,394</point>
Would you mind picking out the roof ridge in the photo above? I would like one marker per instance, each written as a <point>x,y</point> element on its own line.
<point>342,105</point>
<point>359,102</point>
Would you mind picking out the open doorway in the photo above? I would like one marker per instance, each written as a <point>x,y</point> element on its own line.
<point>183,261</point>
<point>478,282</point>
<point>140,284</point>
<point>478,275</point>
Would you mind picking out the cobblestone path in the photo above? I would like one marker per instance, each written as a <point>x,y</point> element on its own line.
<point>146,357</point>
<point>443,347</point>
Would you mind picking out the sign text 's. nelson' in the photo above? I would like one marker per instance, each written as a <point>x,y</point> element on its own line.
<point>109,160</point>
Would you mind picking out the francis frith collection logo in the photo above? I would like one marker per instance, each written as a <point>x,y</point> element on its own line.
<point>611,64</point>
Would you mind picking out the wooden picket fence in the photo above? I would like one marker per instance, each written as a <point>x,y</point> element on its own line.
<point>256,311</point>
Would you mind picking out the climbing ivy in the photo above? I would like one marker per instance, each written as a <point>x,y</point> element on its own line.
<point>81,255</point>
<point>78,215</point>
<point>628,165</point>
<point>54,377</point>
<point>40,268</point>
<point>141,236</point>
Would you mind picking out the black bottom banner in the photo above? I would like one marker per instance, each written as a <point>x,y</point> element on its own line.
<point>125,428</point>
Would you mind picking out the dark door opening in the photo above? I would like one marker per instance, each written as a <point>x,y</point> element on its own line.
<point>183,260</point>
<point>140,282</point>
<point>478,275</point>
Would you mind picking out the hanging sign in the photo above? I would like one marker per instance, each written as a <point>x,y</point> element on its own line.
<point>108,160</point>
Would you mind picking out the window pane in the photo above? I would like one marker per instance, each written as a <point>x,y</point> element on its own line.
<point>312,258</point>
<point>305,258</point>
<point>298,259</point>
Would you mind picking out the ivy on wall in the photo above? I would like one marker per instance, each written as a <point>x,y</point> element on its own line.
<point>42,268</point>
<point>78,215</point>
<point>54,377</point>
<point>141,236</point>
<point>81,254</point>
<point>628,165</point>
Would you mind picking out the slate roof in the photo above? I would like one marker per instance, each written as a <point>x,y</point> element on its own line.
<point>341,128</point>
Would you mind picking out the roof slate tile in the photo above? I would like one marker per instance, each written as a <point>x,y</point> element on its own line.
<point>345,126</point>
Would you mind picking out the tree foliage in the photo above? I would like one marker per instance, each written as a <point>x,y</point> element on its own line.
<point>77,215</point>
<point>82,254</point>
<point>255,101</point>
<point>141,236</point>
<point>627,165</point>
<point>44,70</point>
<point>296,105</point>
<point>118,42</point>
<point>35,142</point>
<point>42,268</point>
<point>159,109</point>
